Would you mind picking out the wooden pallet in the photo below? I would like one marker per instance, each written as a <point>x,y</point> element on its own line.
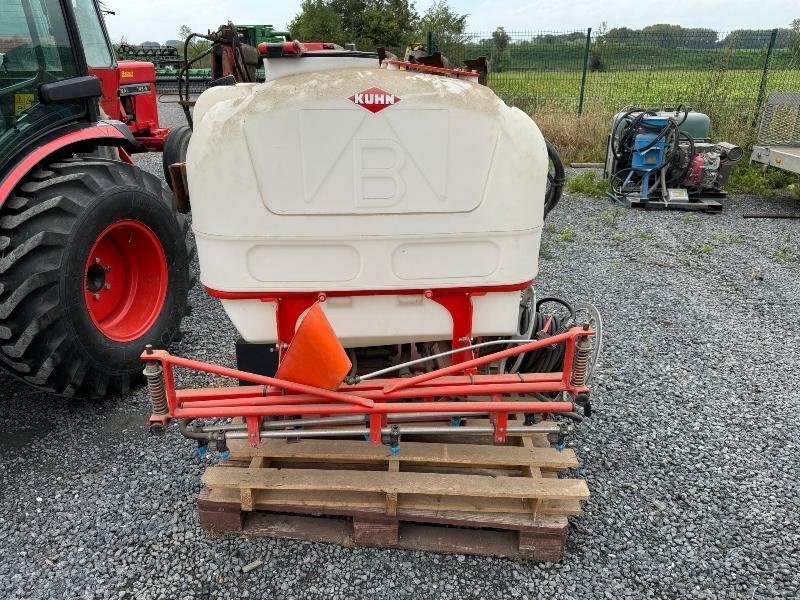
<point>442,497</point>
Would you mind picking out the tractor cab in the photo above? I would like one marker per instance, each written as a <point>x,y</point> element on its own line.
<point>43,84</point>
<point>49,51</point>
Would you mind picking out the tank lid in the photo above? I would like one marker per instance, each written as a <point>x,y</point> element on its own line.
<point>296,49</point>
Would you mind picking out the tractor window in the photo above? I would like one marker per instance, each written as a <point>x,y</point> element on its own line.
<point>34,49</point>
<point>93,38</point>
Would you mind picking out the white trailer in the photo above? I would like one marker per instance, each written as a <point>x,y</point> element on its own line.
<point>778,139</point>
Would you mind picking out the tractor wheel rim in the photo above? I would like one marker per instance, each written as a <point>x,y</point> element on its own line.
<point>125,280</point>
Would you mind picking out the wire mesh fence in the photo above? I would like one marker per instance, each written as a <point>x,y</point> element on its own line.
<point>623,66</point>
<point>595,73</point>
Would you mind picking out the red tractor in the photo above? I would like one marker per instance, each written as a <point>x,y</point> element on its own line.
<point>94,258</point>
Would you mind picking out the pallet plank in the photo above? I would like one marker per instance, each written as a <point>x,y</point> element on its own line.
<point>318,501</point>
<point>425,538</point>
<point>398,483</point>
<point>356,451</point>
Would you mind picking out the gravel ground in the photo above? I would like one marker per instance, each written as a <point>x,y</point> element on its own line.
<point>691,458</point>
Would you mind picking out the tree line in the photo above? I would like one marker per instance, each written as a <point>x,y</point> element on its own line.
<point>370,24</point>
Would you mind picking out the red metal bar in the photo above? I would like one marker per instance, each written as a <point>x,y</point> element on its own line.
<point>379,396</point>
<point>314,296</point>
<point>568,337</point>
<point>197,412</point>
<point>431,69</point>
<point>167,358</point>
<point>254,430</point>
<point>375,429</point>
<point>500,427</point>
<point>459,305</point>
<point>259,391</point>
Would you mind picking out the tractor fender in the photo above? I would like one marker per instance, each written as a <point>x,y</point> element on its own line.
<point>102,133</point>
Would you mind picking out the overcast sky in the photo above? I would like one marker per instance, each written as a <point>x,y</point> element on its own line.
<point>158,20</point>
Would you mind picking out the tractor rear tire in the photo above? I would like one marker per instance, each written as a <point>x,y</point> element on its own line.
<point>175,149</point>
<point>94,265</point>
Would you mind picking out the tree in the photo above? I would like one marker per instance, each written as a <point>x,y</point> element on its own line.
<point>501,39</point>
<point>500,55</point>
<point>317,21</point>
<point>388,23</point>
<point>197,46</point>
<point>447,26</point>
<point>664,35</point>
<point>366,23</point>
<point>793,39</point>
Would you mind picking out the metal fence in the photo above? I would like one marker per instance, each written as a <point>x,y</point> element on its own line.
<point>609,69</point>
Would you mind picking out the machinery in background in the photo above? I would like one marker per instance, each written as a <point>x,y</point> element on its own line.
<point>778,139</point>
<point>168,60</point>
<point>666,159</point>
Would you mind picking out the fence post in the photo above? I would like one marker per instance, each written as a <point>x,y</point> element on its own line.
<point>430,45</point>
<point>762,88</point>
<point>585,68</point>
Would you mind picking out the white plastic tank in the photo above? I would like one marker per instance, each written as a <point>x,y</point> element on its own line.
<point>363,179</point>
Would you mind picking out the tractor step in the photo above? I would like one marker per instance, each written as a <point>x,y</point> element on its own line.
<point>450,497</point>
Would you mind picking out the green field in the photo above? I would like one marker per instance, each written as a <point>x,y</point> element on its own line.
<point>651,51</point>
<point>615,89</point>
<point>551,97</point>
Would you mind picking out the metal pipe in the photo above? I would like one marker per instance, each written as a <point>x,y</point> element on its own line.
<point>417,361</point>
<point>341,420</point>
<point>480,361</point>
<point>362,431</point>
<point>455,408</point>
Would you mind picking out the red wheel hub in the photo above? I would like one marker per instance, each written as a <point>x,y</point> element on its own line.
<point>125,280</point>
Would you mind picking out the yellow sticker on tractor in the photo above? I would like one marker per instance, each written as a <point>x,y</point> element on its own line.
<point>127,74</point>
<point>22,102</point>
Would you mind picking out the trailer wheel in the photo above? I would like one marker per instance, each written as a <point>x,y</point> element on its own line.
<point>175,149</point>
<point>94,265</point>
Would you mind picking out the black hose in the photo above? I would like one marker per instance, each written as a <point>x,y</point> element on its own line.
<point>551,358</point>
<point>555,181</point>
<point>185,69</point>
<point>194,433</point>
<point>681,177</point>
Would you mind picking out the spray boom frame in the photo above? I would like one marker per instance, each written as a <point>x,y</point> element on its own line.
<point>439,391</point>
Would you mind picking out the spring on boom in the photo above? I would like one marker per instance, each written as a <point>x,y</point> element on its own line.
<point>155,385</point>
<point>580,364</point>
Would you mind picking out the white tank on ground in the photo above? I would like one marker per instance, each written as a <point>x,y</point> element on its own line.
<point>364,179</point>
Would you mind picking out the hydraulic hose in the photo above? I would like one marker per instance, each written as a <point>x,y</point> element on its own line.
<point>555,180</point>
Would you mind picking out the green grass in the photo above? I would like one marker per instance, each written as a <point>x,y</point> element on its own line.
<point>566,235</point>
<point>728,97</point>
<point>647,87</point>
<point>753,180</point>
<point>559,54</point>
<point>784,255</point>
<point>701,249</point>
<point>787,252</point>
<point>588,184</point>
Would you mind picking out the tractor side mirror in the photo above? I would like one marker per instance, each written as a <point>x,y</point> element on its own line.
<point>68,90</point>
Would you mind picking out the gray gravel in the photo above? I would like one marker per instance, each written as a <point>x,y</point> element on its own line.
<point>692,457</point>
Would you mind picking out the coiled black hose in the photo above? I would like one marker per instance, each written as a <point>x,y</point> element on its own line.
<point>551,358</point>
<point>555,180</point>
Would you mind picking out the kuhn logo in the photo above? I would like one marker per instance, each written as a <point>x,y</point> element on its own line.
<point>374,99</point>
